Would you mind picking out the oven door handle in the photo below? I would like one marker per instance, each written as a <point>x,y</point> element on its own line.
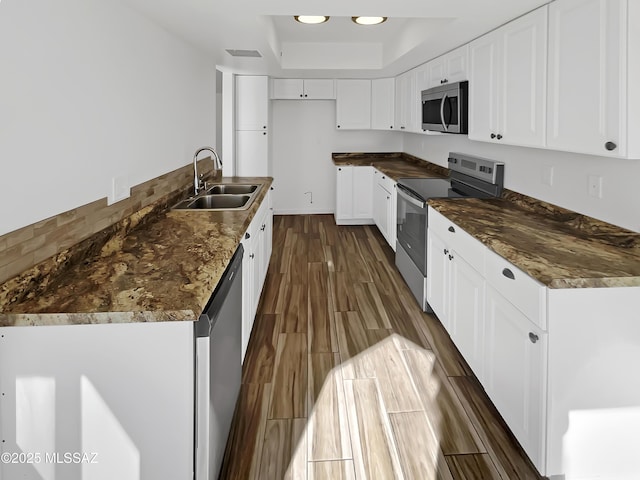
<point>407,195</point>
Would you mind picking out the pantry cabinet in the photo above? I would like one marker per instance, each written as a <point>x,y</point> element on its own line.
<point>353,104</point>
<point>592,76</point>
<point>507,83</point>
<point>252,126</point>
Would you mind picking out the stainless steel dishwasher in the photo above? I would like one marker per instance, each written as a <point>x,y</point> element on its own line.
<point>218,369</point>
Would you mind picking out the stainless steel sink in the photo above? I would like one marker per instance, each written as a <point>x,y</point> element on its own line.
<point>226,196</point>
<point>231,188</point>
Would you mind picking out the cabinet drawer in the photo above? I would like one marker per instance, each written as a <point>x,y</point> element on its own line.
<point>384,180</point>
<point>525,293</point>
<point>457,240</point>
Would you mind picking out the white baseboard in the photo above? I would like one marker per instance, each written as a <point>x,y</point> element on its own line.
<point>303,211</point>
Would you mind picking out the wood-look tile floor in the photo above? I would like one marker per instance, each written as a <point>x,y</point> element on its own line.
<point>346,378</point>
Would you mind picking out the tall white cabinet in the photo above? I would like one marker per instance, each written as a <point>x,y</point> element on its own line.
<point>507,83</point>
<point>252,126</point>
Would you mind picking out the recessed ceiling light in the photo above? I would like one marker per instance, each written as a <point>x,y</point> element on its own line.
<point>311,19</point>
<point>369,20</point>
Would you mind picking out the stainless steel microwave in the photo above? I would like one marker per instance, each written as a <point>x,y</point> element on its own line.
<point>445,108</point>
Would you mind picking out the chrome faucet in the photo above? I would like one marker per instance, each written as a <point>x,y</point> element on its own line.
<point>217,166</point>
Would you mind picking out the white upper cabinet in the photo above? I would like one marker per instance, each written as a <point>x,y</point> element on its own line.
<point>353,104</point>
<point>589,109</point>
<point>383,93</point>
<point>507,83</point>
<point>448,68</point>
<point>299,89</point>
<point>407,102</point>
<point>252,102</point>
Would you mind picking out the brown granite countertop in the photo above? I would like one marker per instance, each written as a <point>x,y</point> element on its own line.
<point>164,270</point>
<point>395,165</point>
<point>557,247</point>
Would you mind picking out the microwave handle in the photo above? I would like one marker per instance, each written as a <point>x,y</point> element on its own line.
<point>444,99</point>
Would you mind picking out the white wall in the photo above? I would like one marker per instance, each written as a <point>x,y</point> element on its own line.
<point>91,90</point>
<point>304,136</point>
<point>524,167</point>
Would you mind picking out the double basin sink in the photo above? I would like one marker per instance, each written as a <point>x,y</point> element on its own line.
<point>225,196</point>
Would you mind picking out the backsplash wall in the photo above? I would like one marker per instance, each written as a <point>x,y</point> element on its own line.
<point>524,173</point>
<point>30,245</point>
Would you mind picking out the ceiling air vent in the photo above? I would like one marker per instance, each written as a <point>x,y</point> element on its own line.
<point>244,53</point>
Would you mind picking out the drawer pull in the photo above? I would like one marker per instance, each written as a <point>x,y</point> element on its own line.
<point>247,236</point>
<point>533,337</point>
<point>452,230</point>
<point>508,273</point>
<point>450,257</point>
<point>446,251</point>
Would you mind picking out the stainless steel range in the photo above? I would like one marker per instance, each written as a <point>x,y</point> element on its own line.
<point>469,177</point>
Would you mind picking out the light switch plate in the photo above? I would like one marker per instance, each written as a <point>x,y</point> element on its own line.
<point>119,189</point>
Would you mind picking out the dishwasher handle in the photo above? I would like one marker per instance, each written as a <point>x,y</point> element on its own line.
<point>209,315</point>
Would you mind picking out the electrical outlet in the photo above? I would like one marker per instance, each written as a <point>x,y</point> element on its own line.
<point>119,189</point>
<point>547,175</point>
<point>594,186</point>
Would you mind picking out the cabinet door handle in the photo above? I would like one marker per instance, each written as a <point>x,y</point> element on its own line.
<point>446,251</point>
<point>493,135</point>
<point>263,227</point>
<point>401,128</point>
<point>305,95</point>
<point>300,95</point>
<point>610,146</point>
<point>247,236</point>
<point>533,337</point>
<point>264,133</point>
<point>391,126</point>
<point>450,257</point>
<point>338,126</point>
<point>499,137</point>
<point>339,169</point>
<point>508,273</point>
<point>452,230</point>
<point>252,256</point>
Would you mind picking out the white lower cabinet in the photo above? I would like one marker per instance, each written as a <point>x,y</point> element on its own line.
<point>555,362</point>
<point>257,243</point>
<point>384,206</point>
<point>455,288</point>
<point>354,195</point>
<point>516,372</point>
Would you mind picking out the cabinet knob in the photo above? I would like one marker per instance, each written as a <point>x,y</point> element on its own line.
<point>264,126</point>
<point>508,273</point>
<point>263,227</point>
<point>499,137</point>
<point>610,146</point>
<point>452,230</point>
<point>305,95</point>
<point>401,128</point>
<point>493,135</point>
<point>264,133</point>
<point>391,126</point>
<point>339,169</point>
<point>338,126</point>
<point>383,177</point>
<point>450,257</point>
<point>247,236</point>
<point>533,337</point>
<point>252,255</point>
<point>446,251</point>
<point>388,198</point>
